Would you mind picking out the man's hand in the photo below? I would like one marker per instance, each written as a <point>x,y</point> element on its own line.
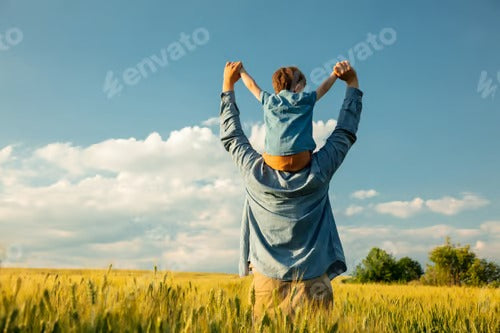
<point>346,73</point>
<point>231,75</point>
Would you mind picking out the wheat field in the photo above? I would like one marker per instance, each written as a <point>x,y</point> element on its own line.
<point>43,300</point>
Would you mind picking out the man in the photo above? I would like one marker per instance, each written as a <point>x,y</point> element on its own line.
<point>288,232</point>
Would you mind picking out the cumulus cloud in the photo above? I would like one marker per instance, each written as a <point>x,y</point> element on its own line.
<point>446,205</point>
<point>214,121</point>
<point>5,153</point>
<point>451,206</point>
<point>402,209</point>
<point>364,194</point>
<point>353,210</point>
<point>492,227</point>
<point>185,147</point>
<point>126,201</point>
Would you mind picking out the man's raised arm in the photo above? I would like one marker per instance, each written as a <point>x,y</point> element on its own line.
<point>231,134</point>
<point>331,155</point>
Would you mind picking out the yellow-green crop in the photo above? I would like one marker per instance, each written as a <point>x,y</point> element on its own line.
<point>154,301</point>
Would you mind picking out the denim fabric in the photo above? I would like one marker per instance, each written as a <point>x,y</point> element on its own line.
<point>287,228</point>
<point>288,121</point>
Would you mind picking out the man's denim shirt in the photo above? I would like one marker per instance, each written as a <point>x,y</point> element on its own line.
<point>288,230</point>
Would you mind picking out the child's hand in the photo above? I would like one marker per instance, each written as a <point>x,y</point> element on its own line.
<point>242,69</point>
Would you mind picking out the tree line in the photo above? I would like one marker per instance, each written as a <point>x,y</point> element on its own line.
<point>451,264</point>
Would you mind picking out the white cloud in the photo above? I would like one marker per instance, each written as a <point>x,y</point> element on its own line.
<point>439,231</point>
<point>402,209</point>
<point>450,206</point>
<point>479,246</point>
<point>129,202</point>
<point>5,153</point>
<point>491,227</point>
<point>214,121</point>
<point>188,153</point>
<point>257,137</point>
<point>446,205</point>
<point>364,194</point>
<point>322,130</point>
<point>353,210</point>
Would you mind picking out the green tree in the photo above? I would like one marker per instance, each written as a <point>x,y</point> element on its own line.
<point>482,272</point>
<point>408,269</point>
<point>457,265</point>
<point>378,266</point>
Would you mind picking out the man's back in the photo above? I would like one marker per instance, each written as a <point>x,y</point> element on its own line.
<point>288,229</point>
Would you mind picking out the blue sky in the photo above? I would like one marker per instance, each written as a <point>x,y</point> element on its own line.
<point>428,142</point>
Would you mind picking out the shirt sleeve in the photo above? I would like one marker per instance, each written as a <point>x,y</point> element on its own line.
<point>308,98</point>
<point>264,97</point>
<point>311,97</point>
<point>331,155</point>
<point>232,136</point>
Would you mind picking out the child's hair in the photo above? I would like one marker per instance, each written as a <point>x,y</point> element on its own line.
<point>286,78</point>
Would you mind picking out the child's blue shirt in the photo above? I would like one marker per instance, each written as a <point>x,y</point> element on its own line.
<point>288,121</point>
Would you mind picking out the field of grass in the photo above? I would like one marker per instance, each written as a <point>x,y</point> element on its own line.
<point>147,301</point>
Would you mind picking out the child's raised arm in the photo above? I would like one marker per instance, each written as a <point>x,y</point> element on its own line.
<point>250,83</point>
<point>326,85</point>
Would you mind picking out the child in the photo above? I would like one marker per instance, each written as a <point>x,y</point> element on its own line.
<point>288,117</point>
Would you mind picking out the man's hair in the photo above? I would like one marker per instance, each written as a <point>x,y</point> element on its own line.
<point>286,78</point>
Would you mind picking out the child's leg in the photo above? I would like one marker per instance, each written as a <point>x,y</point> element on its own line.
<point>288,163</point>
